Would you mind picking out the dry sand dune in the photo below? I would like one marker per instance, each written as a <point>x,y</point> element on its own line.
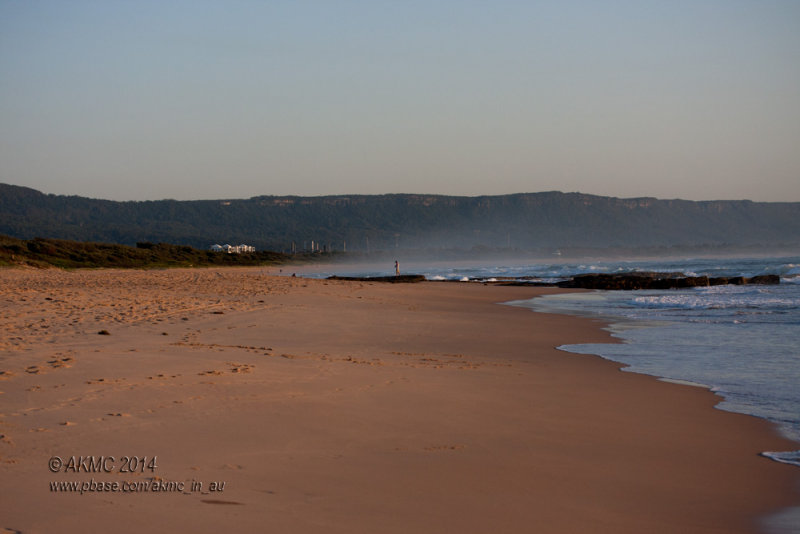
<point>279,404</point>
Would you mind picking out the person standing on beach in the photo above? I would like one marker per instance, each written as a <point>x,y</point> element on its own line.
<point>396,268</point>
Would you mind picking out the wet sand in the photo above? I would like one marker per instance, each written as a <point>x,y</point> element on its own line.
<point>279,404</point>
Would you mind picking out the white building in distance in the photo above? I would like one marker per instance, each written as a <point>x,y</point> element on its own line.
<point>233,249</point>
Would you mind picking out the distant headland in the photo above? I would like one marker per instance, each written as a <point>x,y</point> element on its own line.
<point>527,224</point>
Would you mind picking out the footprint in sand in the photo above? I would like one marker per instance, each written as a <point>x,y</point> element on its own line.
<point>240,367</point>
<point>440,448</point>
<point>234,467</point>
<point>61,362</point>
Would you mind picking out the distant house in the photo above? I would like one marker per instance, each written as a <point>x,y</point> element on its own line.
<point>233,249</point>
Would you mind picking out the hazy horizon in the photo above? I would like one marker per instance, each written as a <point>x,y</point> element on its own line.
<point>396,193</point>
<point>200,99</point>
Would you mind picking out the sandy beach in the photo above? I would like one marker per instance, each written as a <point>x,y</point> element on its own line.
<point>292,405</point>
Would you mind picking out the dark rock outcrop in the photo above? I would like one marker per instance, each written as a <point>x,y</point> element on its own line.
<point>616,281</point>
<point>650,280</point>
<point>769,279</point>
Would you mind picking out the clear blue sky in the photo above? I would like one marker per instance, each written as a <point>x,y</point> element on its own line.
<point>189,99</point>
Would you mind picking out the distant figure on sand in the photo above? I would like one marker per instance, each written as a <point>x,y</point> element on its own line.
<point>396,268</point>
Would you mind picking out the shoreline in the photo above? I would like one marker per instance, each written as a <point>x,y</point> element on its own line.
<point>329,406</point>
<point>624,326</point>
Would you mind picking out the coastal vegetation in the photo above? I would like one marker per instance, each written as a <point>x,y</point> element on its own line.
<point>41,252</point>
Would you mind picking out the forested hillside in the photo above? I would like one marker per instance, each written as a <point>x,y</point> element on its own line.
<point>529,221</point>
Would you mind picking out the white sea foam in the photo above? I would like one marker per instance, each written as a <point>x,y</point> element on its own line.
<point>788,457</point>
<point>685,383</point>
<point>720,298</point>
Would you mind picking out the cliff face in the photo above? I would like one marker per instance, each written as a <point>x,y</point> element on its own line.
<point>369,222</point>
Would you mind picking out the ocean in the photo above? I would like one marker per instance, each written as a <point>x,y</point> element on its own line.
<point>741,342</point>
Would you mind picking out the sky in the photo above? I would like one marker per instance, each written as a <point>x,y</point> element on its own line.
<point>198,99</point>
